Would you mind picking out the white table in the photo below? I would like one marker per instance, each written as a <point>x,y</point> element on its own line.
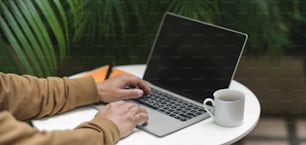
<point>205,132</point>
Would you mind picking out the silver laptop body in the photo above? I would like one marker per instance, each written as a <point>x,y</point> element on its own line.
<point>202,56</point>
<point>189,60</point>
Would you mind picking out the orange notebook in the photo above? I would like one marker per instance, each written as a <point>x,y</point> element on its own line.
<point>100,73</point>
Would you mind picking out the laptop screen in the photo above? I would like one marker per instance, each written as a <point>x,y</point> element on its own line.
<point>193,58</point>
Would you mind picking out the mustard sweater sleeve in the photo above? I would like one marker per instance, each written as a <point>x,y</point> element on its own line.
<point>28,97</point>
<point>96,132</point>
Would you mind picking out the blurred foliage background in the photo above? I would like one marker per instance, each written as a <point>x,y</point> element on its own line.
<point>63,37</point>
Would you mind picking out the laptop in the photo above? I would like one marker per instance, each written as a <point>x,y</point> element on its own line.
<point>189,60</point>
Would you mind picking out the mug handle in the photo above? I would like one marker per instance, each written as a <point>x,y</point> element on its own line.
<point>206,108</point>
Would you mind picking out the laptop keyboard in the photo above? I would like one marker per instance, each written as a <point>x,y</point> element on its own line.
<point>170,105</point>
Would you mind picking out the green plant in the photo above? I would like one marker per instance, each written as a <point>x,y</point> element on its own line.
<point>37,36</point>
<point>268,24</point>
<point>36,33</point>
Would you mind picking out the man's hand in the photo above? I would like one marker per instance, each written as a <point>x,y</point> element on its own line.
<point>125,115</point>
<point>115,88</point>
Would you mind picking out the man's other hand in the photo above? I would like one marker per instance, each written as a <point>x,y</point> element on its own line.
<point>122,87</point>
<point>125,115</point>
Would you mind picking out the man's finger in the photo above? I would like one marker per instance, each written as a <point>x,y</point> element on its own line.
<point>141,117</point>
<point>129,106</point>
<point>130,93</point>
<point>135,81</point>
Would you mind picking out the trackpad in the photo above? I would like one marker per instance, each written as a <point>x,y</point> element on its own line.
<point>160,124</point>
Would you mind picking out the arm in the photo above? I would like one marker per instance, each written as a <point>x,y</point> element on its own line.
<point>53,95</point>
<point>115,120</point>
<point>98,131</point>
<point>28,97</point>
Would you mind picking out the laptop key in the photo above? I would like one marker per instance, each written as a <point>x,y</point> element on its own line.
<point>151,106</point>
<point>185,116</point>
<point>174,107</point>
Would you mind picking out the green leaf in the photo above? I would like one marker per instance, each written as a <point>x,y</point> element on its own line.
<point>14,43</point>
<point>53,22</point>
<point>64,20</point>
<point>40,31</point>
<point>33,43</point>
<point>7,62</point>
<point>21,38</point>
<point>77,24</point>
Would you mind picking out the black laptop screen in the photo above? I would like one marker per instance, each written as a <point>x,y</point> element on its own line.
<point>192,58</point>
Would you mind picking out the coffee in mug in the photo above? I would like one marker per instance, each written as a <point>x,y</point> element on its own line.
<point>228,107</point>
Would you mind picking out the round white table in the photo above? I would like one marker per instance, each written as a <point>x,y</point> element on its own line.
<point>205,132</point>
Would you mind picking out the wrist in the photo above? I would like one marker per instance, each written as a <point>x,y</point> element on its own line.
<point>101,91</point>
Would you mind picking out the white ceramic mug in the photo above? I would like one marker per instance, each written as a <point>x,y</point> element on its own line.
<point>228,107</point>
